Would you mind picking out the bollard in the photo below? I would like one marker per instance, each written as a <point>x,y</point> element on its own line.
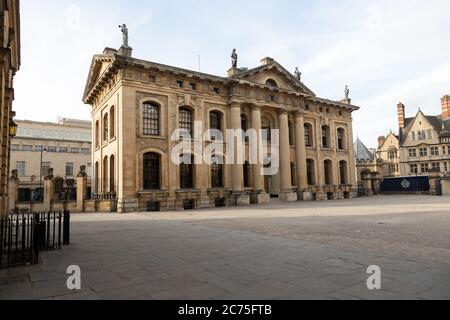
<point>66,228</point>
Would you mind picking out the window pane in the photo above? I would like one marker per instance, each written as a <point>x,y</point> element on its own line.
<point>151,119</point>
<point>186,120</point>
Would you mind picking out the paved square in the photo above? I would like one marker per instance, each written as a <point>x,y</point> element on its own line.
<point>316,250</point>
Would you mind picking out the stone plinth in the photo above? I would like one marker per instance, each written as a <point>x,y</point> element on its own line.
<point>288,197</point>
<point>261,198</point>
<point>241,199</point>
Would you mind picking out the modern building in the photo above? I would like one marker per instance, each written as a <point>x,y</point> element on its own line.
<point>137,105</point>
<point>9,65</point>
<point>64,146</point>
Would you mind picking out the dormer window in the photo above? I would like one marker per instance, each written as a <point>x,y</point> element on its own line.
<point>192,86</point>
<point>272,98</point>
<point>179,84</point>
<point>216,90</point>
<point>271,83</point>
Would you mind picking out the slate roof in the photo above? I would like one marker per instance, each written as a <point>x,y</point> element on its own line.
<point>362,152</point>
<point>441,126</point>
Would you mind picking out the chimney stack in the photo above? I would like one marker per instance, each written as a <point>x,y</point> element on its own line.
<point>381,141</point>
<point>401,115</point>
<point>445,101</point>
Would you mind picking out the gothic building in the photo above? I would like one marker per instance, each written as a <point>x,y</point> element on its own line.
<point>138,104</point>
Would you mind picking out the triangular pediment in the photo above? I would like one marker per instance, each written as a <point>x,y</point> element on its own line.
<point>277,73</point>
<point>99,65</point>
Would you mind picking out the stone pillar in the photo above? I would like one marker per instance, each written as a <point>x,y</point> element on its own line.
<point>81,188</point>
<point>240,198</point>
<point>49,191</point>
<point>302,179</point>
<point>352,163</point>
<point>259,194</point>
<point>13,190</point>
<point>286,193</point>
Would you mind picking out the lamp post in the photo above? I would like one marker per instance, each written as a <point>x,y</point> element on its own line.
<point>40,175</point>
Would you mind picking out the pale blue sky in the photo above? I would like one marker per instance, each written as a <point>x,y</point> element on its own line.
<point>386,51</point>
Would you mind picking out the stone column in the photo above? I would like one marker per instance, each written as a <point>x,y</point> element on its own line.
<point>81,188</point>
<point>13,190</point>
<point>259,194</point>
<point>49,191</point>
<point>351,163</point>
<point>286,193</point>
<point>240,198</point>
<point>302,179</point>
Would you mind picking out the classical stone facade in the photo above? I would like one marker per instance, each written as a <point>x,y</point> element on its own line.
<point>137,105</point>
<point>9,65</point>
<point>64,146</point>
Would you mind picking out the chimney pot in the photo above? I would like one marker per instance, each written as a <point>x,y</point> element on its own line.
<point>445,102</point>
<point>401,115</point>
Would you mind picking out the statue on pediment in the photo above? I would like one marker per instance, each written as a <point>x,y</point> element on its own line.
<point>298,74</point>
<point>234,59</point>
<point>347,93</point>
<point>124,30</point>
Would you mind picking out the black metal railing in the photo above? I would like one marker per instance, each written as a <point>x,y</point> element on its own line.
<point>23,235</point>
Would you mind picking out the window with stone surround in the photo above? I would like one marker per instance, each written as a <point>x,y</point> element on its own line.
<point>152,171</point>
<point>341,139</point>
<point>20,167</point>
<point>151,119</point>
<point>434,151</point>
<point>185,121</point>
<point>328,172</point>
<point>309,138</point>
<point>326,137</point>
<point>187,174</point>
<point>105,128</point>
<point>217,174</point>
<point>310,172</point>
<point>423,152</point>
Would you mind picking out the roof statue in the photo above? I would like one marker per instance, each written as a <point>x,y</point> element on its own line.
<point>298,74</point>
<point>234,59</point>
<point>124,30</point>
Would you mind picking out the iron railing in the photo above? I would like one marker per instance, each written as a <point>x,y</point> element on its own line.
<point>24,235</point>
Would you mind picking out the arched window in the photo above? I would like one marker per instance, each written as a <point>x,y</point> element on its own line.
<point>247,174</point>
<point>186,119</point>
<point>105,175</point>
<point>309,139</point>
<point>151,119</point>
<point>152,171</point>
<point>217,174</point>
<point>187,174</point>
<point>343,172</point>
<point>325,137</point>
<point>97,134</point>
<point>311,172</point>
<point>112,120</point>
<point>244,123</point>
<point>96,178</point>
<point>105,128</point>
<point>112,172</point>
<point>271,83</point>
<point>328,172</point>
<point>341,139</point>
<point>215,123</point>
<point>266,130</point>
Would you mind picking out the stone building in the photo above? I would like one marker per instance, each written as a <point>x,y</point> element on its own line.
<point>64,146</point>
<point>369,169</point>
<point>425,142</point>
<point>137,105</point>
<point>9,65</point>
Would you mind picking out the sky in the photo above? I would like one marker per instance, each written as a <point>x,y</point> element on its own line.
<point>385,51</point>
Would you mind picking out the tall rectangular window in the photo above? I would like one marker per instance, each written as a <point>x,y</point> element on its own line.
<point>69,169</point>
<point>186,120</point>
<point>45,167</point>
<point>151,115</point>
<point>20,166</point>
